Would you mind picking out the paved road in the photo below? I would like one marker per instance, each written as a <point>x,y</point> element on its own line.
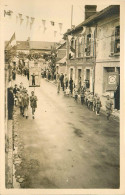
<point>67,146</point>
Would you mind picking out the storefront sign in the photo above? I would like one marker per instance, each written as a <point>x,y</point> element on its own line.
<point>112,81</point>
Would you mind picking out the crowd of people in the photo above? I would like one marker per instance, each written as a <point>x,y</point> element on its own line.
<point>68,86</point>
<point>91,100</point>
<point>19,97</point>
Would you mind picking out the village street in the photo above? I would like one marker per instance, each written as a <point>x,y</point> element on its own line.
<point>65,146</point>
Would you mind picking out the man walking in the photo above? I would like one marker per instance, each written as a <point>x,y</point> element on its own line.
<point>33,103</point>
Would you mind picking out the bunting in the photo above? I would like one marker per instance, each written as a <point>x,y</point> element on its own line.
<point>29,21</point>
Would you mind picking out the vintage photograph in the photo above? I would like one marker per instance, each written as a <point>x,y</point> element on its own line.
<point>62,94</point>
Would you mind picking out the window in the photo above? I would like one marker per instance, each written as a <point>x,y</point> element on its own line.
<point>88,49</point>
<point>117,39</point>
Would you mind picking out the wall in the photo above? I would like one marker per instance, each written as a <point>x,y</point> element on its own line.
<point>103,55</point>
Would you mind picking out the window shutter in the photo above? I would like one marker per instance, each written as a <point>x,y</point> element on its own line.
<point>112,41</point>
<point>82,46</point>
<point>85,45</point>
<point>77,42</point>
<point>92,45</point>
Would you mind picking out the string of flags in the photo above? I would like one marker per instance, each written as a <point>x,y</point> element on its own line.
<point>20,18</point>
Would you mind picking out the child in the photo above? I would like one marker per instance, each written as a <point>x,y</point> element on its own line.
<point>75,94</point>
<point>67,91</point>
<point>108,106</point>
<point>98,105</point>
<point>94,102</point>
<point>90,100</point>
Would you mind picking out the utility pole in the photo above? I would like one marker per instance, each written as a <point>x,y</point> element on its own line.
<point>71,16</point>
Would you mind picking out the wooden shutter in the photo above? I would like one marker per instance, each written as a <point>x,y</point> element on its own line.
<point>82,46</point>
<point>77,42</point>
<point>112,41</point>
<point>92,45</point>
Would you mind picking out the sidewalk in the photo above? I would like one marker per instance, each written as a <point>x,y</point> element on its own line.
<point>115,114</point>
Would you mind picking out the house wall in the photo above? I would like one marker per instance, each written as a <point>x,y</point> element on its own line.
<point>104,57</point>
<point>80,61</point>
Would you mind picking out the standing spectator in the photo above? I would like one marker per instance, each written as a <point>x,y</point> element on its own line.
<point>71,85</point>
<point>98,105</point>
<point>62,79</point>
<point>79,84</point>
<point>82,97</point>
<point>75,93</point>
<point>66,81</point>
<point>58,86</point>
<point>20,101</point>
<point>94,102</point>
<point>90,101</point>
<point>10,103</point>
<point>33,103</point>
<point>15,91</point>
<point>108,105</point>
<point>26,104</point>
<point>14,73</point>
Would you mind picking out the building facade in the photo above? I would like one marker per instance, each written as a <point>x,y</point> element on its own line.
<point>81,53</point>
<point>107,44</point>
<point>93,53</point>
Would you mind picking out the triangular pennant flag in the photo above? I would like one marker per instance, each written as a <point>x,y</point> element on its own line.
<point>60,27</point>
<point>32,20</point>
<point>44,29</point>
<point>9,13</point>
<point>44,22</point>
<point>52,23</point>
<point>30,25</point>
<point>20,16</point>
<point>21,21</point>
<point>16,19</point>
<point>55,33</point>
<point>27,20</point>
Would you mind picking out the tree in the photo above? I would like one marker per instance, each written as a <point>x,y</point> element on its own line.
<point>53,61</point>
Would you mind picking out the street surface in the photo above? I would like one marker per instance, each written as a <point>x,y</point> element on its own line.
<point>66,145</point>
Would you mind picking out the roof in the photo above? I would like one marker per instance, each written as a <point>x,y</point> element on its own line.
<point>22,45</point>
<point>62,61</point>
<point>60,46</point>
<point>41,45</point>
<point>108,11</point>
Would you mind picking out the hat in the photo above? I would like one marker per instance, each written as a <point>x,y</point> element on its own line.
<point>32,91</point>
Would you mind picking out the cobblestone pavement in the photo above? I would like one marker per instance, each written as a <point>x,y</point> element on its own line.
<point>66,146</point>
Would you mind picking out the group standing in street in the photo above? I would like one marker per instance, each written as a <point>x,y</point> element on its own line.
<point>91,100</point>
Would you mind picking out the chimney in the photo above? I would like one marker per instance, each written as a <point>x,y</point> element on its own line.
<point>90,10</point>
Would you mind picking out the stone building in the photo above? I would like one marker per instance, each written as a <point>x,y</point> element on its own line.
<point>107,69</point>
<point>93,52</point>
<point>81,52</point>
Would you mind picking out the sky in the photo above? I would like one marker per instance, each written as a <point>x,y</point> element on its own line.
<point>58,11</point>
